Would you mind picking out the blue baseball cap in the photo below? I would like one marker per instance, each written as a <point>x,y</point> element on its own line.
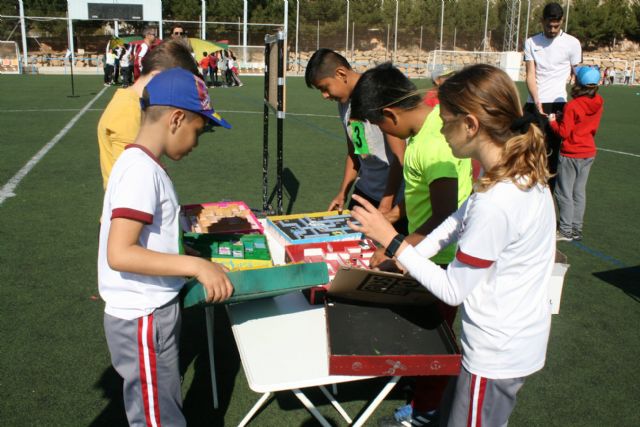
<point>177,87</point>
<point>587,75</point>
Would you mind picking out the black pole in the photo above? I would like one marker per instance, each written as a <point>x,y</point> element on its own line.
<point>280,118</point>
<point>265,141</point>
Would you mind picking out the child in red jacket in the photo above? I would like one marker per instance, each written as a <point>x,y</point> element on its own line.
<point>577,127</point>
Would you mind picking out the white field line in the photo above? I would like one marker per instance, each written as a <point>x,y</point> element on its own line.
<point>619,152</point>
<point>7,190</point>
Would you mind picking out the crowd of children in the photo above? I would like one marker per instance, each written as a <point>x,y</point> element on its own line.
<point>221,61</point>
<point>486,247</point>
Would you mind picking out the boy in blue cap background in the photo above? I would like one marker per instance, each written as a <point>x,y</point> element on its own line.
<point>140,266</point>
<point>577,127</point>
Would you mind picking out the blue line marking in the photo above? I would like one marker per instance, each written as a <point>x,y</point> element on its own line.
<point>598,254</point>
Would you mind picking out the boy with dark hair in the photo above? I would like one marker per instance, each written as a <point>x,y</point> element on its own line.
<point>140,269</point>
<point>577,127</point>
<point>120,121</point>
<point>374,159</point>
<point>436,185</point>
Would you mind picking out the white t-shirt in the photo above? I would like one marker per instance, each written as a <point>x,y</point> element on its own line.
<point>140,189</point>
<point>553,61</point>
<point>506,250</point>
<point>374,167</point>
<point>142,51</point>
<point>126,58</point>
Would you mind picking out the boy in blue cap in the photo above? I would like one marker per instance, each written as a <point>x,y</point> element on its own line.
<point>140,266</point>
<point>577,127</point>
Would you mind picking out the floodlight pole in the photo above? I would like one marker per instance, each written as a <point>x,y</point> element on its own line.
<point>518,26</point>
<point>441,21</point>
<point>297,30</point>
<point>245,30</point>
<point>25,59</point>
<point>116,28</point>
<point>486,24</point>
<point>203,28</point>
<point>566,22</point>
<point>395,35</point>
<point>346,39</point>
<point>526,27</point>
<point>286,19</point>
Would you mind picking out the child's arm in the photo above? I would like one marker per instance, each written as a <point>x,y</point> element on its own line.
<point>351,167</point>
<point>125,254</point>
<point>394,179</point>
<point>565,126</point>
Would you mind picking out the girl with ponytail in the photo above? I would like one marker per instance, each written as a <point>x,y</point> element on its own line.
<point>506,246</point>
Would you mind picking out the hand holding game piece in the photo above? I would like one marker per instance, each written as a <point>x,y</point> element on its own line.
<point>215,281</point>
<point>374,224</point>
<point>337,203</point>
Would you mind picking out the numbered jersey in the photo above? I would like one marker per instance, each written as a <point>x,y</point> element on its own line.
<point>372,150</point>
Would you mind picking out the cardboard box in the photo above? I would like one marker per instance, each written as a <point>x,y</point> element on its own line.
<point>311,227</point>
<point>346,253</point>
<point>219,218</point>
<point>383,323</point>
<point>264,283</point>
<point>556,282</point>
<point>235,251</point>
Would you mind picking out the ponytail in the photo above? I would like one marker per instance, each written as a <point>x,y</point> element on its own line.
<point>490,95</point>
<point>523,161</point>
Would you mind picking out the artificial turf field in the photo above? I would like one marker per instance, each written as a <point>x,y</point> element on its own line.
<point>54,362</point>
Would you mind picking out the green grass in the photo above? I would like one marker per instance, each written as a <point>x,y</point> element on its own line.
<point>54,360</point>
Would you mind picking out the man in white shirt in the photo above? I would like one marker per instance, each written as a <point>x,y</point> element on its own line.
<point>550,57</point>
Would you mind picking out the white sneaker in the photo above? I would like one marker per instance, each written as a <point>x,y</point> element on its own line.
<point>561,237</point>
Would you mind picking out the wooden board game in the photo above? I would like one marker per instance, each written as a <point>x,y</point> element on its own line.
<point>235,251</point>
<point>371,339</point>
<point>312,227</point>
<point>219,217</point>
<point>345,253</point>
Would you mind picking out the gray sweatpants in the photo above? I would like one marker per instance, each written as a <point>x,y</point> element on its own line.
<point>474,401</point>
<point>571,192</point>
<point>144,352</point>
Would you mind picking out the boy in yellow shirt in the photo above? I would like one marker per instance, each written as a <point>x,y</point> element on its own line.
<point>120,121</point>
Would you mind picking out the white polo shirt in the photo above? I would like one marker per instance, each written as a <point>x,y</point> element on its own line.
<point>553,61</point>
<point>506,250</point>
<point>140,189</point>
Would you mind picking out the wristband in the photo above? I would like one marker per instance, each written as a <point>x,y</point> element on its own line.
<point>394,245</point>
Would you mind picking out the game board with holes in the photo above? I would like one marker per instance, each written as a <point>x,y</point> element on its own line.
<point>235,251</point>
<point>219,218</point>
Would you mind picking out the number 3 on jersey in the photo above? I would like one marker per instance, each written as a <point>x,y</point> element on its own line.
<point>358,138</point>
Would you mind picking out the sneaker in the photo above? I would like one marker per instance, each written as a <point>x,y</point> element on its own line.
<point>562,237</point>
<point>577,235</point>
<point>406,417</point>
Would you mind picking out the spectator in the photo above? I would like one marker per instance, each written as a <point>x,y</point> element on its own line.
<point>550,57</point>
<point>178,32</point>
<point>204,66</point>
<point>627,76</point>
<point>612,75</point>
<point>213,68</point>
<point>125,65</point>
<point>232,70</point>
<point>142,49</point>
<point>109,61</point>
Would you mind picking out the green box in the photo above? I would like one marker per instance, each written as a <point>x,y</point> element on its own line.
<point>262,283</point>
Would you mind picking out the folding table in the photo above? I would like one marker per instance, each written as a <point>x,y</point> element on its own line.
<point>282,343</point>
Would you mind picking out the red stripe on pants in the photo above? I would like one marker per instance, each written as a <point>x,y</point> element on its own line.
<point>483,387</point>
<point>148,377</point>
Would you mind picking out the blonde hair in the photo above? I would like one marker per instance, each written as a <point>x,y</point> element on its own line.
<point>490,95</point>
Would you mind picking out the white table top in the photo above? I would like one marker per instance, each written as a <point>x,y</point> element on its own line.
<point>283,343</point>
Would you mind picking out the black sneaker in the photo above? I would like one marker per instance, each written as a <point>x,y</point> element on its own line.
<point>577,235</point>
<point>563,237</point>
